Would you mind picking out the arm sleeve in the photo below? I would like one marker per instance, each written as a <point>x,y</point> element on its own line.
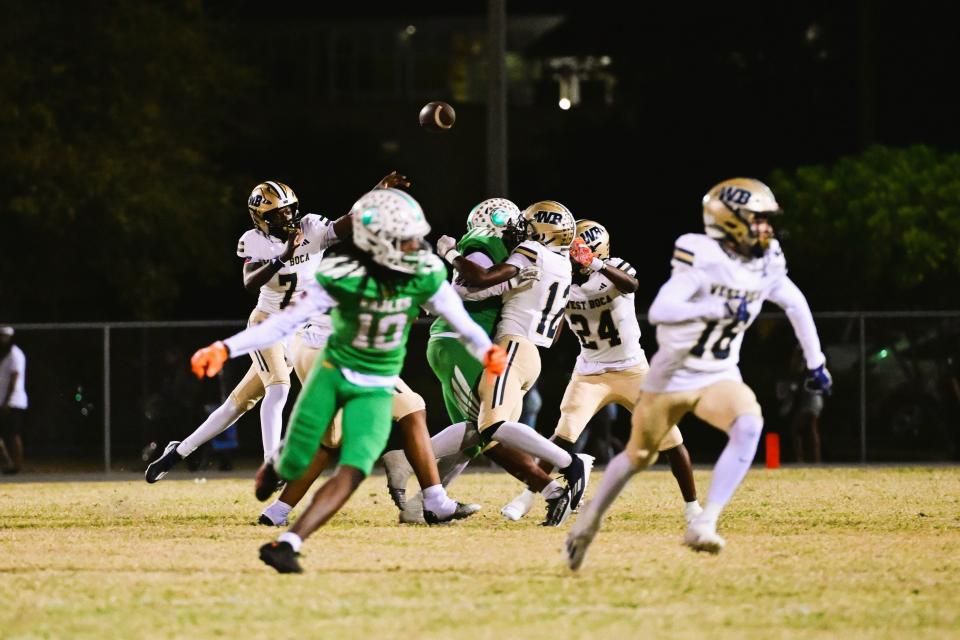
<point>672,304</point>
<point>314,299</point>
<point>468,293</point>
<point>787,296</point>
<point>446,303</point>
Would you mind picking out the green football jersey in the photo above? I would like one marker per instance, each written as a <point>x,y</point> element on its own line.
<point>370,329</point>
<point>485,313</point>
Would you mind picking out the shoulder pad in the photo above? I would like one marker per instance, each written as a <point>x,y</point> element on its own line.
<point>774,256</point>
<point>336,267</point>
<point>695,250</point>
<point>254,245</point>
<point>529,249</point>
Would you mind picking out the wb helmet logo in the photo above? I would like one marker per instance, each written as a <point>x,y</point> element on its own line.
<point>590,235</point>
<point>548,217</point>
<point>734,195</point>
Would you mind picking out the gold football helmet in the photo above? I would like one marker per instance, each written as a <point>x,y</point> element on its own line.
<point>271,196</point>
<point>595,236</point>
<point>547,222</point>
<point>732,209</point>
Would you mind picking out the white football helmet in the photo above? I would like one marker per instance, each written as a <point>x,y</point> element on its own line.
<point>547,222</point>
<point>383,220</point>
<point>493,214</point>
<point>730,210</point>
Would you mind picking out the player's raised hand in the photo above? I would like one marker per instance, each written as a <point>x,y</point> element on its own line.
<point>294,240</point>
<point>580,252</point>
<point>393,180</point>
<point>737,309</point>
<point>209,360</point>
<point>495,360</point>
<point>445,245</point>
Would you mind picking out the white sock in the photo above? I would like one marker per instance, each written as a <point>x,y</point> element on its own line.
<point>615,478</point>
<point>271,416</point>
<point>451,467</point>
<point>435,499</point>
<point>278,511</point>
<point>552,490</point>
<point>215,424</point>
<point>397,467</point>
<point>294,540</point>
<point>733,463</point>
<point>454,439</point>
<point>520,436</point>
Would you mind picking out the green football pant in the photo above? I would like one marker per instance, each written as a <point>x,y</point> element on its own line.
<point>366,421</point>
<point>458,372</point>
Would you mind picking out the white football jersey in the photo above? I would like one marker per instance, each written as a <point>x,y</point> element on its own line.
<point>605,322</point>
<point>534,313</point>
<point>696,353</point>
<point>289,281</point>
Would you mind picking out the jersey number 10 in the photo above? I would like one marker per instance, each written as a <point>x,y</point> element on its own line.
<point>386,334</point>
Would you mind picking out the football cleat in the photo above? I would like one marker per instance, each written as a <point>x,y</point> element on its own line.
<point>265,520</point>
<point>281,556</point>
<point>462,511</point>
<point>399,497</point>
<point>160,467</point>
<point>267,481</point>
<point>702,536</point>
<point>558,509</point>
<point>519,506</point>
<point>578,541</point>
<point>578,477</point>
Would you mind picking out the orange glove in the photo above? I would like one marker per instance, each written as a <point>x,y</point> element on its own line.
<point>495,360</point>
<point>580,252</point>
<point>209,360</point>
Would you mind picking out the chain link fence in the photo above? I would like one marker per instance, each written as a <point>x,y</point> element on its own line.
<point>100,393</point>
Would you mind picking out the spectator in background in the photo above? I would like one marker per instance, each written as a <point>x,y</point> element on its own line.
<point>800,409</point>
<point>13,401</point>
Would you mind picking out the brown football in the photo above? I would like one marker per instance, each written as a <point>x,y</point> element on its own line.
<point>437,116</point>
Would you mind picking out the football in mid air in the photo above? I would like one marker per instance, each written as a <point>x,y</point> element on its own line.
<point>437,116</point>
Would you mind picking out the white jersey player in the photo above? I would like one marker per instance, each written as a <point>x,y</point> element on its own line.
<point>719,282</point>
<point>530,317</point>
<point>611,365</point>
<point>280,253</point>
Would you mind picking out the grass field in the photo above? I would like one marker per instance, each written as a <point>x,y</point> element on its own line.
<point>864,552</point>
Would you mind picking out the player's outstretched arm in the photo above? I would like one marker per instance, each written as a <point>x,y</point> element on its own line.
<point>473,274</point>
<point>582,254</point>
<point>673,303</point>
<point>446,304</point>
<point>209,360</point>
<point>787,296</point>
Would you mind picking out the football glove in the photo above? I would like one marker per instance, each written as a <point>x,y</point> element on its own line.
<point>209,360</point>
<point>819,380</point>
<point>525,278</point>
<point>495,360</point>
<point>580,252</point>
<point>738,313</point>
<point>445,245</point>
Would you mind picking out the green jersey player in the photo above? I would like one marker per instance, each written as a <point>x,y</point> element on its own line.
<point>375,289</point>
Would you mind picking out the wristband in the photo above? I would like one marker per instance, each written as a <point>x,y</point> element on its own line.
<point>451,255</point>
<point>596,265</point>
<point>278,263</point>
